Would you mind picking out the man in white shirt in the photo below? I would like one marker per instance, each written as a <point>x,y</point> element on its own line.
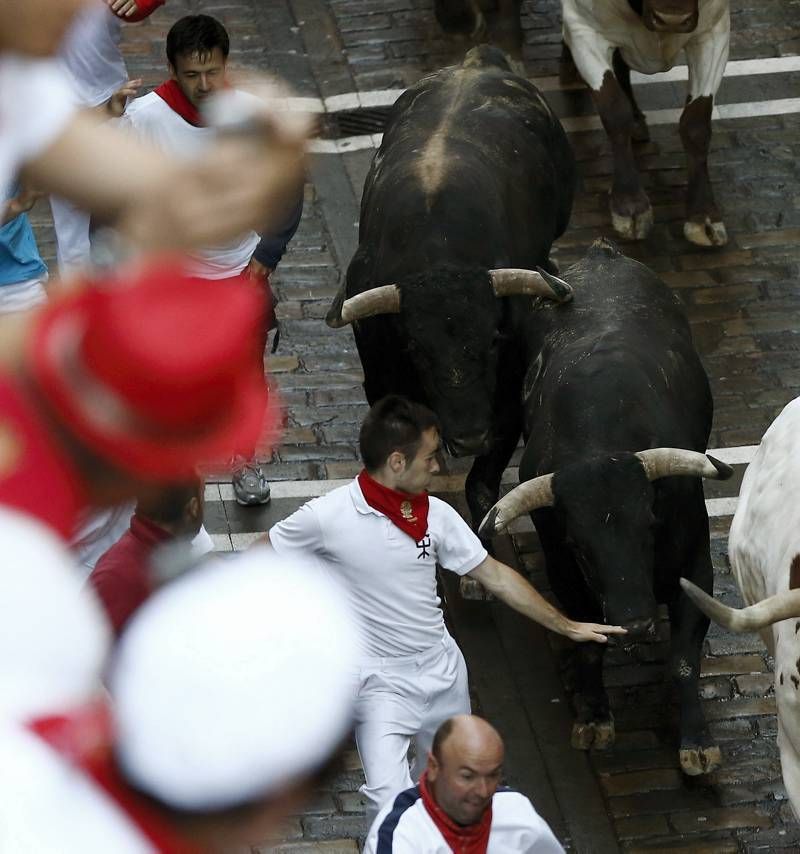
<point>383,536</point>
<point>459,805</point>
<point>171,117</point>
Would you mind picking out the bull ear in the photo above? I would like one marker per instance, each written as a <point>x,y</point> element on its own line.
<point>509,281</point>
<point>382,300</point>
<point>528,496</point>
<point>669,462</point>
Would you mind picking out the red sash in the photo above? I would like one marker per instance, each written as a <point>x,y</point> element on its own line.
<point>144,8</point>
<point>172,94</point>
<point>462,839</point>
<point>83,738</point>
<point>408,512</point>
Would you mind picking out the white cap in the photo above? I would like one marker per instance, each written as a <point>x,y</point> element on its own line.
<point>54,637</point>
<point>233,680</point>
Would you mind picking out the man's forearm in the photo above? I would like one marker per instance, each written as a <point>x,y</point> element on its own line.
<point>516,592</point>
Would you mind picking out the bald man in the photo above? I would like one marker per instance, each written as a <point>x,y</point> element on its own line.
<point>458,805</point>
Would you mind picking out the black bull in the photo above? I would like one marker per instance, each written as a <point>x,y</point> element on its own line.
<point>475,173</point>
<point>617,375</point>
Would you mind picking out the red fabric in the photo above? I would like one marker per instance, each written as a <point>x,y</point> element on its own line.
<point>462,839</point>
<point>84,739</point>
<point>145,8</point>
<point>173,95</point>
<point>36,476</point>
<point>122,577</point>
<point>408,512</point>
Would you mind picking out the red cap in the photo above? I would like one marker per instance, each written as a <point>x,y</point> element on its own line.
<point>156,372</point>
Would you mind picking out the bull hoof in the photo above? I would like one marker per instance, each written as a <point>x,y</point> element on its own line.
<point>699,760</point>
<point>632,227</point>
<point>705,233</point>
<point>599,735</point>
<point>469,588</point>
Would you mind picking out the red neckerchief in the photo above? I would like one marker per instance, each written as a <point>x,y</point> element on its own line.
<point>144,8</point>
<point>408,512</point>
<point>147,531</point>
<point>462,839</point>
<point>173,96</point>
<point>83,738</point>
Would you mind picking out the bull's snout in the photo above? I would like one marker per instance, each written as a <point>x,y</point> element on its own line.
<point>640,629</point>
<point>672,22</point>
<point>464,446</point>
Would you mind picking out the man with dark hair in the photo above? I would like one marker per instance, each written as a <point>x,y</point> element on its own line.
<point>124,578</point>
<point>383,535</point>
<point>459,804</point>
<point>171,116</point>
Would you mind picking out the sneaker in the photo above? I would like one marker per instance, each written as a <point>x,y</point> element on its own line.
<point>250,486</point>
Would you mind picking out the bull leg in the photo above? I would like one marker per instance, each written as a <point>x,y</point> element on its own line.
<point>507,33</point>
<point>460,16</point>
<point>622,71</point>
<point>631,214</point>
<point>594,723</point>
<point>689,626</point>
<point>703,226</point>
<point>568,74</point>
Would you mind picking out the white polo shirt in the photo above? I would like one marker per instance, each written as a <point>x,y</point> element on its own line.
<point>404,826</point>
<point>153,119</point>
<point>390,579</point>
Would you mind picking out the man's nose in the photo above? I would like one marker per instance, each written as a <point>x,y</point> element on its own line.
<point>203,81</point>
<point>435,467</point>
<point>483,788</point>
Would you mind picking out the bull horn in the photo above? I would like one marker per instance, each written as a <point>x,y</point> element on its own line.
<point>528,496</point>
<point>539,283</point>
<point>784,606</point>
<point>382,300</point>
<point>666,462</point>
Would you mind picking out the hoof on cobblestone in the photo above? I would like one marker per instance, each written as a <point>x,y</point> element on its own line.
<point>634,226</point>
<point>699,760</point>
<point>599,735</point>
<point>705,233</point>
<point>471,589</point>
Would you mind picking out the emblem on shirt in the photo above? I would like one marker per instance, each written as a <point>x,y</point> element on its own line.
<point>407,512</point>
<point>423,545</point>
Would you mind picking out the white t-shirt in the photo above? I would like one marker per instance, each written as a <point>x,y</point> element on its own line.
<point>48,807</point>
<point>390,579</point>
<point>404,826</point>
<point>36,103</point>
<point>91,57</point>
<point>153,119</point>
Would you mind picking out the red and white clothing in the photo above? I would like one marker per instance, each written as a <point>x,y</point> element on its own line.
<point>48,806</point>
<point>35,107</point>
<point>406,826</point>
<point>152,118</point>
<point>412,675</point>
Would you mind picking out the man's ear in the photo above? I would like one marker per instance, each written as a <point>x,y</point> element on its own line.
<point>397,462</point>
<point>172,72</point>
<point>432,769</point>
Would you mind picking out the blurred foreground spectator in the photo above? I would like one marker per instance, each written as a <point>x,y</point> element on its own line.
<point>125,576</point>
<point>458,804</point>
<point>217,728</point>
<point>23,274</point>
<point>249,178</point>
<point>125,387</point>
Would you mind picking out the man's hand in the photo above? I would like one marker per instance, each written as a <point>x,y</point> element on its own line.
<point>20,204</point>
<point>115,105</point>
<point>123,8</point>
<point>258,272</point>
<point>597,632</point>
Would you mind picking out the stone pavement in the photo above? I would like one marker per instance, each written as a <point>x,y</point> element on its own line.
<point>743,302</point>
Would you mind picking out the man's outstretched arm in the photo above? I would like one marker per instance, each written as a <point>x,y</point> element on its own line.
<point>510,587</point>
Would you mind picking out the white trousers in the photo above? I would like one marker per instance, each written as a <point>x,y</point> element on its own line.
<point>400,700</point>
<point>71,223</point>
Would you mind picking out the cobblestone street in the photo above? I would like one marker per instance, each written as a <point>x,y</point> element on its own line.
<point>744,305</point>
